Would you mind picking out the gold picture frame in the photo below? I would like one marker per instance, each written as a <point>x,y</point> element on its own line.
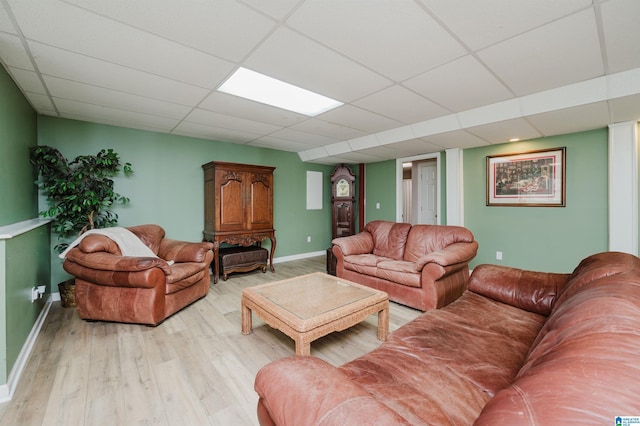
<point>529,179</point>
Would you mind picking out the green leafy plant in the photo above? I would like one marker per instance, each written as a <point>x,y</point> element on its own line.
<point>80,193</point>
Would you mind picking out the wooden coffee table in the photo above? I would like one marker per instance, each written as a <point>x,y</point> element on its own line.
<point>308,307</point>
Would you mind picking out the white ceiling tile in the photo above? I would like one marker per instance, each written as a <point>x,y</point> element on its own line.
<point>438,125</point>
<point>378,153</point>
<point>332,130</point>
<point>416,76</point>
<point>295,59</point>
<point>399,39</point>
<point>304,137</point>
<point>358,118</point>
<point>329,160</point>
<point>505,110</point>
<point>401,104</point>
<point>316,152</point>
<point>360,157</point>
<point>560,53</point>
<point>482,23</point>
<point>338,148</point>
<point>460,85</point>
<point>456,139</point>
<point>624,83</point>
<point>27,80</point>
<point>594,90</point>
<point>12,52</point>
<point>413,147</point>
<point>40,102</point>
<point>585,117</point>
<point>213,133</point>
<point>395,135</point>
<point>277,143</point>
<point>625,109</point>
<point>223,121</point>
<point>363,142</point>
<point>276,9</point>
<point>244,108</point>
<point>620,24</point>
<point>505,130</point>
<point>71,66</point>
<point>6,24</point>
<point>81,92</point>
<point>226,29</point>
<point>112,115</point>
<point>111,41</point>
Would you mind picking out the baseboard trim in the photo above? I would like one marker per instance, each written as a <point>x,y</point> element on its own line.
<point>299,256</point>
<point>7,390</point>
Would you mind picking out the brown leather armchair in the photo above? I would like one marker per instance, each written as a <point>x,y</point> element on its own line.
<point>143,290</point>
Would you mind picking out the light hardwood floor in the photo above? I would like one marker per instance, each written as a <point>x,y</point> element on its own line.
<point>196,368</point>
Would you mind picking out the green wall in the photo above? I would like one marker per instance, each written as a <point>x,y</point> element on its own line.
<point>538,238</point>
<point>17,133</point>
<point>380,187</point>
<point>25,258</point>
<point>543,238</point>
<point>167,185</point>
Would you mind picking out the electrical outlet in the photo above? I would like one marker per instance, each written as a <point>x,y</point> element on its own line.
<point>377,206</point>
<point>308,238</point>
<point>498,255</point>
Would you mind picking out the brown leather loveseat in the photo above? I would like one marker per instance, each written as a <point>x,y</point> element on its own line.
<point>422,266</point>
<point>517,348</point>
<point>133,289</point>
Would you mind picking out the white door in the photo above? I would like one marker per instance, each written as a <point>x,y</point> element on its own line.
<point>427,193</point>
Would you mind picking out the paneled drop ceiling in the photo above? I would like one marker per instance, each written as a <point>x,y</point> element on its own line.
<point>415,76</point>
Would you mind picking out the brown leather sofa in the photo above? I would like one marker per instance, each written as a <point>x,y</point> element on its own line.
<point>143,290</point>
<point>422,266</point>
<point>517,348</point>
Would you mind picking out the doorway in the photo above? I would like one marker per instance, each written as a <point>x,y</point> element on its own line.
<point>418,189</point>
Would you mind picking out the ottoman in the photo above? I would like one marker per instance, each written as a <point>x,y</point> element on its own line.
<point>242,259</point>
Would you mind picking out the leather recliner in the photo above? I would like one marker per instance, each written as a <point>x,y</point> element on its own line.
<point>142,290</point>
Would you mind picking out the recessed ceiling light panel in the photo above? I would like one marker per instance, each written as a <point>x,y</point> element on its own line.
<point>267,90</point>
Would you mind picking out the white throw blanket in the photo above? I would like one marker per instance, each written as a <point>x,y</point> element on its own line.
<point>129,243</point>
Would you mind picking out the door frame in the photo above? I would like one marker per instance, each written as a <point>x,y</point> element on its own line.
<point>399,197</point>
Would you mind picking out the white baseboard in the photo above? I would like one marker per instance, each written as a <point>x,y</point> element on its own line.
<point>298,256</point>
<point>7,390</point>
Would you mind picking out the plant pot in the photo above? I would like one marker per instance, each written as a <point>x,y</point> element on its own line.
<point>68,293</point>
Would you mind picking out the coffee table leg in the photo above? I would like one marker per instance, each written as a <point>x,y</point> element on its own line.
<point>383,323</point>
<point>302,348</point>
<point>246,320</point>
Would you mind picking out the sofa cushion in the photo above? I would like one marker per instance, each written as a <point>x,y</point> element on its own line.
<point>424,239</point>
<point>444,366</point>
<point>399,271</point>
<point>389,238</point>
<point>363,263</point>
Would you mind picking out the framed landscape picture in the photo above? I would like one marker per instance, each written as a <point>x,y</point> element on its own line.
<point>532,179</point>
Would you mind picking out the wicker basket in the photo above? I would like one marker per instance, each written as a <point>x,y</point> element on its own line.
<point>68,293</point>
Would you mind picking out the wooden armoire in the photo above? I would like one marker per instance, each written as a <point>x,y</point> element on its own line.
<point>238,206</point>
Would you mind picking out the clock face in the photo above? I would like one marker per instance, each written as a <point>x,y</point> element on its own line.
<point>342,188</point>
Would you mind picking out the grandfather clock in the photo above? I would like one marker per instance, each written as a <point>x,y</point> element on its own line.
<point>343,217</point>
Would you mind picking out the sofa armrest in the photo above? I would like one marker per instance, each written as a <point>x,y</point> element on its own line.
<point>183,251</point>
<point>450,255</point>
<point>529,290</point>
<point>309,391</point>
<point>105,261</point>
<point>361,243</point>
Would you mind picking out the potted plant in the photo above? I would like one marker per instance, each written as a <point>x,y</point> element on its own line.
<point>80,195</point>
